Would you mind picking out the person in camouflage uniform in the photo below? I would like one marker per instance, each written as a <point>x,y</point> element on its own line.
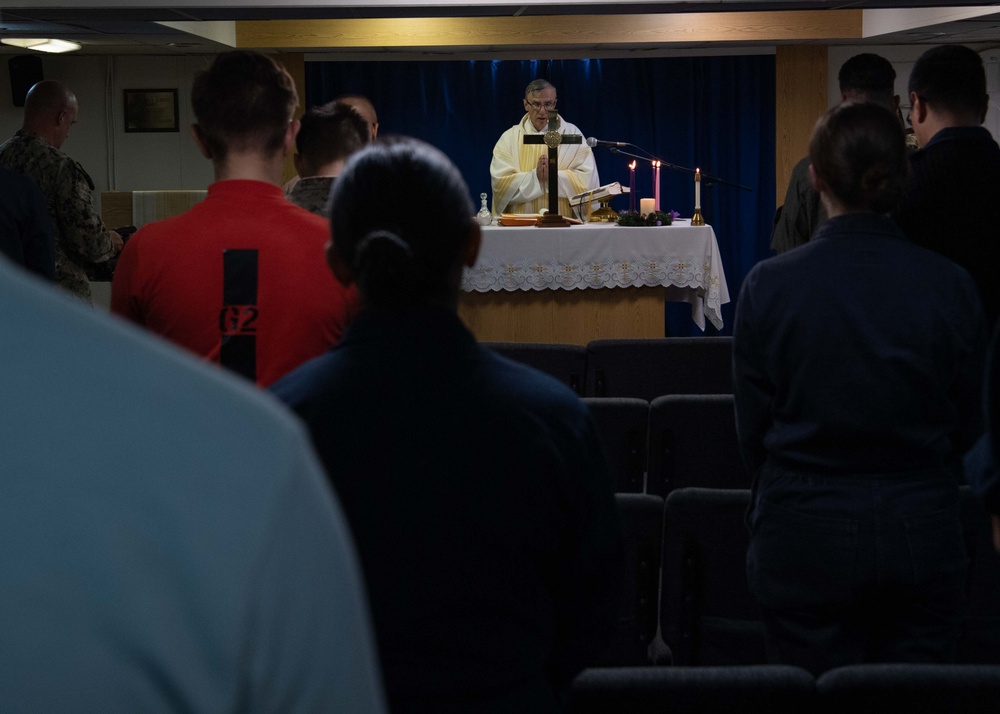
<point>327,137</point>
<point>82,239</point>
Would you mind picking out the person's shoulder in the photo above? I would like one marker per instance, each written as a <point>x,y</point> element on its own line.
<point>43,316</point>
<point>168,230</point>
<point>14,182</point>
<point>307,382</point>
<point>520,386</point>
<point>517,128</point>
<point>567,127</point>
<point>800,171</point>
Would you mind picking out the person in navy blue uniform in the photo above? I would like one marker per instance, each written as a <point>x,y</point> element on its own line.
<point>26,233</point>
<point>476,487</point>
<point>857,370</point>
<point>950,203</point>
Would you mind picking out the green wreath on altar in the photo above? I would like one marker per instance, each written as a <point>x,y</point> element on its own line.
<point>656,218</point>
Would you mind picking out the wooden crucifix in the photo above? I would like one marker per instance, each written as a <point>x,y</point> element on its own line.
<point>553,139</point>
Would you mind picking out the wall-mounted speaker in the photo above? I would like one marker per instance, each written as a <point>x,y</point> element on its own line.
<point>25,72</point>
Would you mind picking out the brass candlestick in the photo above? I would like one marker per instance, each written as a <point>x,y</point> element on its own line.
<point>697,219</point>
<point>605,213</point>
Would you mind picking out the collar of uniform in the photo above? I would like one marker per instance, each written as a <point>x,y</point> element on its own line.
<point>31,136</point>
<point>426,326</point>
<point>966,133</point>
<point>855,224</point>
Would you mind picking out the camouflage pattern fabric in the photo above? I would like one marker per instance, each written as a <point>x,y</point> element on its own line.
<point>312,194</point>
<point>81,237</point>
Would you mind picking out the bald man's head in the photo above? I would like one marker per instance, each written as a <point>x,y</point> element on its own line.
<point>50,109</point>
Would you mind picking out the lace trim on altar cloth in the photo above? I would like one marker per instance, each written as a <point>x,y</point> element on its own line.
<point>637,272</point>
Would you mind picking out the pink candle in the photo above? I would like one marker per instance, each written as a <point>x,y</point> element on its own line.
<point>631,187</point>
<point>697,188</point>
<point>656,185</point>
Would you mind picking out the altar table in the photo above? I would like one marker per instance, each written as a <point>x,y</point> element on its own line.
<point>592,281</point>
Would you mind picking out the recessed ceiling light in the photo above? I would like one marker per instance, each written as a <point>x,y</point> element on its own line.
<point>41,44</point>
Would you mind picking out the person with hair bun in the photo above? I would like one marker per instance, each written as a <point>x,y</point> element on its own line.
<point>476,487</point>
<point>857,360</point>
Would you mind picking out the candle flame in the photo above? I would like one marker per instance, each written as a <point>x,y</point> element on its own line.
<point>656,164</point>
<point>632,165</point>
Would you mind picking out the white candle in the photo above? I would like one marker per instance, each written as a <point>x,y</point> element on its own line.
<point>656,180</point>
<point>697,188</point>
<point>646,206</point>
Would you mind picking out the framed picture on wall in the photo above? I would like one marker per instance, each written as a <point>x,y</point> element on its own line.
<point>148,110</point>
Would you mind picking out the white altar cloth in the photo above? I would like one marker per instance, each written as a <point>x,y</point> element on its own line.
<point>681,258</point>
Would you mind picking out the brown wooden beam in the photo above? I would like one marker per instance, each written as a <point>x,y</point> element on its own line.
<point>550,31</point>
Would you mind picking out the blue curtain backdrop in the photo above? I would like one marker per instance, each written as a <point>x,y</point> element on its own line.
<point>716,113</point>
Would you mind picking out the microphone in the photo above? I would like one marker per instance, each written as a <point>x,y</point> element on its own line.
<point>592,142</point>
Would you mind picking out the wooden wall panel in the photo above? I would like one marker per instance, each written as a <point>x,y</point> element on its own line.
<point>801,98</point>
<point>295,63</point>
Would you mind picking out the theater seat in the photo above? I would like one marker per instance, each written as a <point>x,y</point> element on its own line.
<point>912,688</point>
<point>649,368</point>
<point>567,363</point>
<point>692,442</point>
<point>623,424</point>
<point>763,689</point>
<point>707,614</point>
<point>642,521</point>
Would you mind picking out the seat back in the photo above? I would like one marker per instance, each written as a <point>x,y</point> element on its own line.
<point>623,424</point>
<point>707,614</point>
<point>911,688</point>
<point>774,689</point>
<point>980,643</point>
<point>692,442</point>
<point>567,363</point>
<point>649,368</point>
<point>642,525</point>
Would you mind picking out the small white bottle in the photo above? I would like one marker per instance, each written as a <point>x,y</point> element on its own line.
<point>484,216</point>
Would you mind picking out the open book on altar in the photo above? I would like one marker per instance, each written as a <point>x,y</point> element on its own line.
<point>598,194</point>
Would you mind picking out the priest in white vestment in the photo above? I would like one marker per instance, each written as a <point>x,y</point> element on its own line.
<point>519,171</point>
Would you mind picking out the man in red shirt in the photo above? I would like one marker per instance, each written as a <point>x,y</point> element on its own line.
<point>241,278</point>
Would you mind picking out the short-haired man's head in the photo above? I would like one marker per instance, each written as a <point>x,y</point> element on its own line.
<point>868,78</point>
<point>330,133</point>
<point>243,102</point>
<point>363,105</point>
<point>397,257</point>
<point>951,79</point>
<point>859,152</point>
<point>536,86</point>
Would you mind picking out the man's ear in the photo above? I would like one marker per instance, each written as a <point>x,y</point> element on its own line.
<point>341,270</point>
<point>918,110</point>
<point>290,133</point>
<point>199,139</point>
<point>816,181</point>
<point>473,242</point>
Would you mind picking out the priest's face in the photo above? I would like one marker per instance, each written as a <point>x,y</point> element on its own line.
<point>538,104</point>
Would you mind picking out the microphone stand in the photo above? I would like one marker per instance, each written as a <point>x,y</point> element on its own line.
<point>707,180</point>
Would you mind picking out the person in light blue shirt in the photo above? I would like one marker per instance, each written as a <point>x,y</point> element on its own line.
<point>172,547</point>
